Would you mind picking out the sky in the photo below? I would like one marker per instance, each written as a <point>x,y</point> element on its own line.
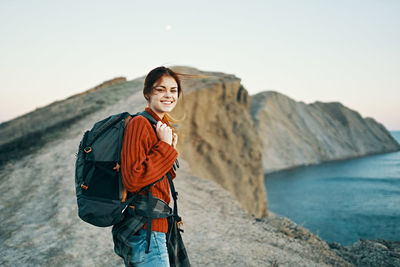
<point>311,50</point>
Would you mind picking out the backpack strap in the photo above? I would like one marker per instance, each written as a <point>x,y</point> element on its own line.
<point>149,211</point>
<point>174,196</point>
<point>120,184</point>
<point>127,120</point>
<point>175,167</point>
<point>144,188</point>
<point>150,214</point>
<point>148,116</point>
<point>153,121</point>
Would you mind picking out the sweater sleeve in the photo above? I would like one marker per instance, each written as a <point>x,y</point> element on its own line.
<point>144,159</point>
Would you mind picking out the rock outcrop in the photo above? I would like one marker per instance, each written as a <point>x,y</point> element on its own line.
<point>218,138</point>
<point>295,133</point>
<point>370,253</point>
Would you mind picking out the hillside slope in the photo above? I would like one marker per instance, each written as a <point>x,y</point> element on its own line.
<point>40,226</point>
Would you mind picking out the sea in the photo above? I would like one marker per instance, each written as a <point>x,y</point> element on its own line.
<point>342,201</point>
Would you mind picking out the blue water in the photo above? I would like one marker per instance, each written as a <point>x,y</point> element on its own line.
<point>342,201</point>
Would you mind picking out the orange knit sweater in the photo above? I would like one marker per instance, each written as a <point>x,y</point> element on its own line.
<point>145,159</point>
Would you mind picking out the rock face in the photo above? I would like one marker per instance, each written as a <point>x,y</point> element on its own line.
<point>218,138</point>
<point>295,133</point>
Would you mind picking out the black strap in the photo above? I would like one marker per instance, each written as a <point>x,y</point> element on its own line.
<point>174,195</point>
<point>149,219</point>
<point>145,188</point>
<point>150,215</point>
<point>120,140</point>
<point>149,212</point>
<point>160,208</point>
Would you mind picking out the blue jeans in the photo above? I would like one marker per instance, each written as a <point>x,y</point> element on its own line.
<point>158,254</point>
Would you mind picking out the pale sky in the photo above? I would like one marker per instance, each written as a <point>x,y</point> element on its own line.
<point>342,50</point>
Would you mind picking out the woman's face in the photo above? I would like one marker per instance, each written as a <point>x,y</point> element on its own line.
<point>164,96</point>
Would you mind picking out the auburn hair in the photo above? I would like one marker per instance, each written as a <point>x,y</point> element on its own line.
<point>155,75</point>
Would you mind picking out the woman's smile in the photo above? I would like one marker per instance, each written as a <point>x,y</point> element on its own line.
<point>167,102</point>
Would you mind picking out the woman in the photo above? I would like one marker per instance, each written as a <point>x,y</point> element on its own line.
<point>148,153</point>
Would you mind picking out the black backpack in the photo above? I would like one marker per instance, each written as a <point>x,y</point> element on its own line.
<point>98,180</point>
<point>98,184</point>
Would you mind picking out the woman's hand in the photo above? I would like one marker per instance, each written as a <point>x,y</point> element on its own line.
<point>164,132</point>
<point>174,140</point>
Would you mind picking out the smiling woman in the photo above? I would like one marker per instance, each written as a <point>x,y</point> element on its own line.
<point>148,153</point>
<point>164,96</point>
<point>161,86</point>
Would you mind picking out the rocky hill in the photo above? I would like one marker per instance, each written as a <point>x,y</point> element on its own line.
<point>218,141</point>
<point>28,132</point>
<point>294,133</point>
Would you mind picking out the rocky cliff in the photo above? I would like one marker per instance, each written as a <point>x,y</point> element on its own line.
<point>294,133</point>
<point>218,138</point>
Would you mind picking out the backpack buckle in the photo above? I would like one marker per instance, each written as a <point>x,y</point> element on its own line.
<point>83,186</point>
<point>117,167</point>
